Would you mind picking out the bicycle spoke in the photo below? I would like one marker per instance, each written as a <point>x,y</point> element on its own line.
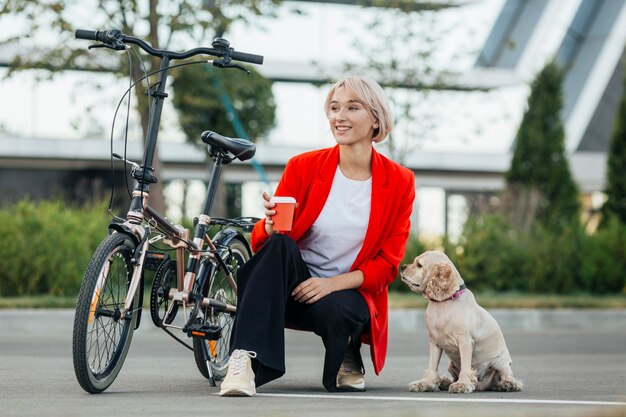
<point>97,359</point>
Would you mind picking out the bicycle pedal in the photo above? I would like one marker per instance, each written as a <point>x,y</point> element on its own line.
<point>204,331</point>
<point>154,259</point>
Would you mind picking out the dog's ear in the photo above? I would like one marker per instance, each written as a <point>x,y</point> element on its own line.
<point>442,284</point>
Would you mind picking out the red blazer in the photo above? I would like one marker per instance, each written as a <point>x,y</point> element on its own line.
<point>308,177</point>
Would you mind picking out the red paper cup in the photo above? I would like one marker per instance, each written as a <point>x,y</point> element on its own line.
<point>285,208</point>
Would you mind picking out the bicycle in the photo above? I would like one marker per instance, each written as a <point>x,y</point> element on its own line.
<point>110,299</point>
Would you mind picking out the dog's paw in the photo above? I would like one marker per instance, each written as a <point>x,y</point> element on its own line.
<point>422,386</point>
<point>444,383</point>
<point>461,388</point>
<point>509,385</point>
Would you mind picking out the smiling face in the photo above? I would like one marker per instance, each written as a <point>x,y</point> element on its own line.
<point>350,120</point>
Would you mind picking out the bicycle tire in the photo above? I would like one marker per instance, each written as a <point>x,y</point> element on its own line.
<point>235,255</point>
<point>100,339</point>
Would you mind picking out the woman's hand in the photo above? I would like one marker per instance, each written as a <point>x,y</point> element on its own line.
<point>269,212</point>
<point>313,289</point>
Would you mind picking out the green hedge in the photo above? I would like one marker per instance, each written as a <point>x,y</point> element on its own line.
<point>46,246</point>
<point>603,269</point>
<point>492,255</point>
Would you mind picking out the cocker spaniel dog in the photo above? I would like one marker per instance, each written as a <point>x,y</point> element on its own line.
<point>457,325</point>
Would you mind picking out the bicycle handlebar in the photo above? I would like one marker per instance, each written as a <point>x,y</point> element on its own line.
<point>117,40</point>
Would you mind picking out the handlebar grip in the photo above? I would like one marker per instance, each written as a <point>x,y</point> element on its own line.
<point>99,35</point>
<point>86,34</point>
<point>245,57</point>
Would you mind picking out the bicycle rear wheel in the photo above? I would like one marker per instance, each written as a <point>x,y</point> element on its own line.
<point>235,254</point>
<point>101,338</point>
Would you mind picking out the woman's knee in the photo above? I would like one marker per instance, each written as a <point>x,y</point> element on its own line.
<point>280,242</point>
<point>339,313</point>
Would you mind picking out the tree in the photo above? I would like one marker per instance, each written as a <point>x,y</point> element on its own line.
<point>615,204</point>
<point>198,92</point>
<point>46,35</point>
<point>539,184</point>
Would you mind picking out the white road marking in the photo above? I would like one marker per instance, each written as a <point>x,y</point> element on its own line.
<point>449,400</point>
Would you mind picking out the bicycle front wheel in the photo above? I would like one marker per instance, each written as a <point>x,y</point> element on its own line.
<point>235,254</point>
<point>101,338</point>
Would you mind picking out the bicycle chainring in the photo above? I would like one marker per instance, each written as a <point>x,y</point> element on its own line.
<point>164,280</point>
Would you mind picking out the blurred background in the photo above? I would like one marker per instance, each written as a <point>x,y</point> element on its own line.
<point>510,113</point>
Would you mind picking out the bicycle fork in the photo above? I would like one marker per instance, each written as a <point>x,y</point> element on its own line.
<point>136,279</point>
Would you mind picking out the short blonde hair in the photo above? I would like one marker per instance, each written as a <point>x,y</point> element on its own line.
<point>371,94</point>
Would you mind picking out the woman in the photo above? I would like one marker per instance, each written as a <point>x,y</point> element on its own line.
<point>330,273</point>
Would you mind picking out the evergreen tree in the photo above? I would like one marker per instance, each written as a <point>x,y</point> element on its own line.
<point>616,168</point>
<point>540,187</point>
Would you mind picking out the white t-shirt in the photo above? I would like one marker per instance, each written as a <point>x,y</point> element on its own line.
<point>333,242</point>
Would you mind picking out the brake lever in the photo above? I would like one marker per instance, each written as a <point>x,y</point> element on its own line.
<point>117,47</point>
<point>222,64</point>
<point>100,45</point>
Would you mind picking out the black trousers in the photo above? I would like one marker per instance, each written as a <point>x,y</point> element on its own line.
<point>265,306</point>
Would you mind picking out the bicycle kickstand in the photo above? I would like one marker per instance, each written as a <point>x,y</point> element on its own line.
<point>205,353</point>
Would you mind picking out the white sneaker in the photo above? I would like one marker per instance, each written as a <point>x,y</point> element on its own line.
<point>350,375</point>
<point>239,380</point>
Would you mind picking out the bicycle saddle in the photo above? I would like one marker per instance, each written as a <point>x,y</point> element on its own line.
<point>242,149</point>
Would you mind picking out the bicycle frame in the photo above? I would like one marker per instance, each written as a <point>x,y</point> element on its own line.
<point>178,237</point>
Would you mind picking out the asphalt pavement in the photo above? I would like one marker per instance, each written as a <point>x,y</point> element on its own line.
<point>572,363</point>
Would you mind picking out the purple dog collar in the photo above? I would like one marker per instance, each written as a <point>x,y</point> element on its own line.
<point>454,296</point>
<point>457,294</point>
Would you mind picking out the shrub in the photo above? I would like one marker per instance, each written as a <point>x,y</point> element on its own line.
<point>494,255</point>
<point>47,245</point>
<point>604,263</point>
<point>491,254</point>
<point>555,260</point>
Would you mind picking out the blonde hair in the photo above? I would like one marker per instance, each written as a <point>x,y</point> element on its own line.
<point>371,94</point>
